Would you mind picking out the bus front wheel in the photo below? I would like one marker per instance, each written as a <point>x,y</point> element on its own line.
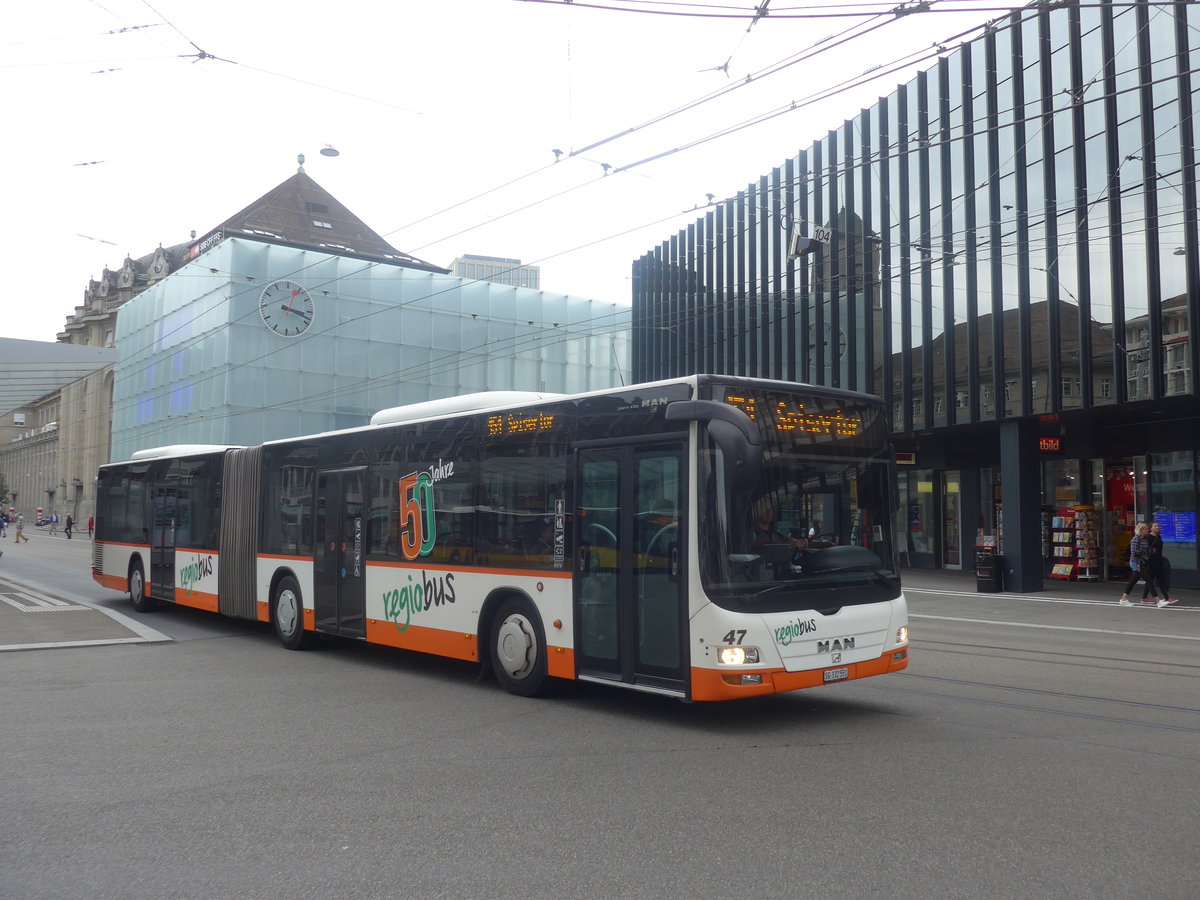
<point>287,613</point>
<point>137,589</point>
<point>518,648</point>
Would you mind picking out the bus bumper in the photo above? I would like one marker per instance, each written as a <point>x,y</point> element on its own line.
<point>731,684</point>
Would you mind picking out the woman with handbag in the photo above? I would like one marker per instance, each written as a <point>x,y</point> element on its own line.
<point>1139,563</point>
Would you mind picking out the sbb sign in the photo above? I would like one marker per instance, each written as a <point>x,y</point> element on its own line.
<point>1050,445</point>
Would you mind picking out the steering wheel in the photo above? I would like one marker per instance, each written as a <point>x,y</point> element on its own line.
<point>823,541</point>
<point>657,535</point>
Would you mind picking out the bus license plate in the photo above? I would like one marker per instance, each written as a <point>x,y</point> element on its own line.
<point>837,674</point>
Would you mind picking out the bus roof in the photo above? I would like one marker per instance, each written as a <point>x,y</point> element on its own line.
<point>445,408</point>
<point>182,450</point>
<point>432,409</point>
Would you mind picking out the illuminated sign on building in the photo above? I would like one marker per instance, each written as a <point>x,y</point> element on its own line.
<point>1050,445</point>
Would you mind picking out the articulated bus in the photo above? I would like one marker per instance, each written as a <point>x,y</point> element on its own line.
<point>653,537</point>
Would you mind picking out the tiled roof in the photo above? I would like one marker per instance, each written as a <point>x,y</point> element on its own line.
<point>301,213</point>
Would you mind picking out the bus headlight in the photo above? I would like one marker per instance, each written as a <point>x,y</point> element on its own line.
<point>738,656</point>
<point>902,634</point>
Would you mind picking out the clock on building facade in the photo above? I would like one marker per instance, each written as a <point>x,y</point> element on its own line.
<point>286,308</point>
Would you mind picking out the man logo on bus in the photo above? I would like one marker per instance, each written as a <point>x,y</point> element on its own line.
<point>417,530</point>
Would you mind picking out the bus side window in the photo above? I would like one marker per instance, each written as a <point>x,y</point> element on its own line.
<point>384,514</point>
<point>521,501</point>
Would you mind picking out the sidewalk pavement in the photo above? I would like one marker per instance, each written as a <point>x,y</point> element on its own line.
<point>35,615</point>
<point>1052,588</point>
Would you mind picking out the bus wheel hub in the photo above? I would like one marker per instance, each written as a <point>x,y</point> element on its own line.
<point>513,645</point>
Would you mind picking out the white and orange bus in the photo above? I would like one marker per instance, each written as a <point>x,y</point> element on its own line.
<point>653,537</point>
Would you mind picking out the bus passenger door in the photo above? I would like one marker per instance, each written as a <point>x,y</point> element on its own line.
<point>164,503</point>
<point>339,553</point>
<point>630,602</point>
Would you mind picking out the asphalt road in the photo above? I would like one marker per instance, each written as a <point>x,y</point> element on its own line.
<point>1035,747</point>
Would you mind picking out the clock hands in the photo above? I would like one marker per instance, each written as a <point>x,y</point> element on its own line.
<point>288,308</point>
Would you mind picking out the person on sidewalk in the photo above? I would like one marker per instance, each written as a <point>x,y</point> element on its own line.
<point>21,536</point>
<point>54,523</point>
<point>1139,563</point>
<point>70,525</point>
<point>1160,568</point>
<point>91,526</point>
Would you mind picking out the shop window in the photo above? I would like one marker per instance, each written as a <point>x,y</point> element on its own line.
<point>1173,503</point>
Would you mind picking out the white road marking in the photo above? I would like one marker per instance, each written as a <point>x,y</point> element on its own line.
<point>26,602</point>
<point>1172,637</point>
<point>52,645</point>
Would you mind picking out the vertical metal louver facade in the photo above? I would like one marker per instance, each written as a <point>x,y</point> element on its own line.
<point>1005,249</point>
<point>1011,234</point>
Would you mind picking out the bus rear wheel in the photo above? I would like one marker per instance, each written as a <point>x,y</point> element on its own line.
<point>518,648</point>
<point>137,589</point>
<point>287,614</point>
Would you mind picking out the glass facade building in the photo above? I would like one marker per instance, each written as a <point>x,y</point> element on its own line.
<point>1005,248</point>
<point>198,363</point>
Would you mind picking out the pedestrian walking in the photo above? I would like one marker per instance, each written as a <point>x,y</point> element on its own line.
<point>3,526</point>
<point>1139,564</point>
<point>54,523</point>
<point>1160,568</point>
<point>21,536</point>
<point>91,526</point>
<point>70,525</point>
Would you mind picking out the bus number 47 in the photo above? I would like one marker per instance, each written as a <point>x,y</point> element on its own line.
<point>734,637</point>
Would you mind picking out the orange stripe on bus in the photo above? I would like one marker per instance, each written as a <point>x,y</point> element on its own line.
<point>710,684</point>
<point>284,556</point>
<point>560,661</point>
<point>197,600</point>
<point>112,582</point>
<point>454,644</point>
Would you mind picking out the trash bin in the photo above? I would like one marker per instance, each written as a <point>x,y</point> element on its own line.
<point>989,571</point>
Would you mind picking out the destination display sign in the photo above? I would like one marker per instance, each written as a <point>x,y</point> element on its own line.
<point>519,423</point>
<point>791,415</point>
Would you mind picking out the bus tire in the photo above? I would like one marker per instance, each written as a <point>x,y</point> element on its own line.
<point>518,648</point>
<point>287,615</point>
<point>137,589</point>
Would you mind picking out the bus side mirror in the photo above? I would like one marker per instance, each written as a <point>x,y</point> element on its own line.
<point>734,433</point>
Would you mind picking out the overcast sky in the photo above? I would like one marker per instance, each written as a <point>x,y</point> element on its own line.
<point>131,123</point>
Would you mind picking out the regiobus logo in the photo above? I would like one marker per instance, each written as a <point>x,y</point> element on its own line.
<point>417,531</point>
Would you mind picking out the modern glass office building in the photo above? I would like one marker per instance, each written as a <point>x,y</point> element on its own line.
<point>293,318</point>
<point>1004,248</point>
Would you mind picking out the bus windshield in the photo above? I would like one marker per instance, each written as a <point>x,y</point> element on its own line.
<point>813,529</point>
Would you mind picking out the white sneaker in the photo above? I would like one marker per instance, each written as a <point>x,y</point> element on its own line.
<point>1167,601</point>
<point>1124,603</point>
